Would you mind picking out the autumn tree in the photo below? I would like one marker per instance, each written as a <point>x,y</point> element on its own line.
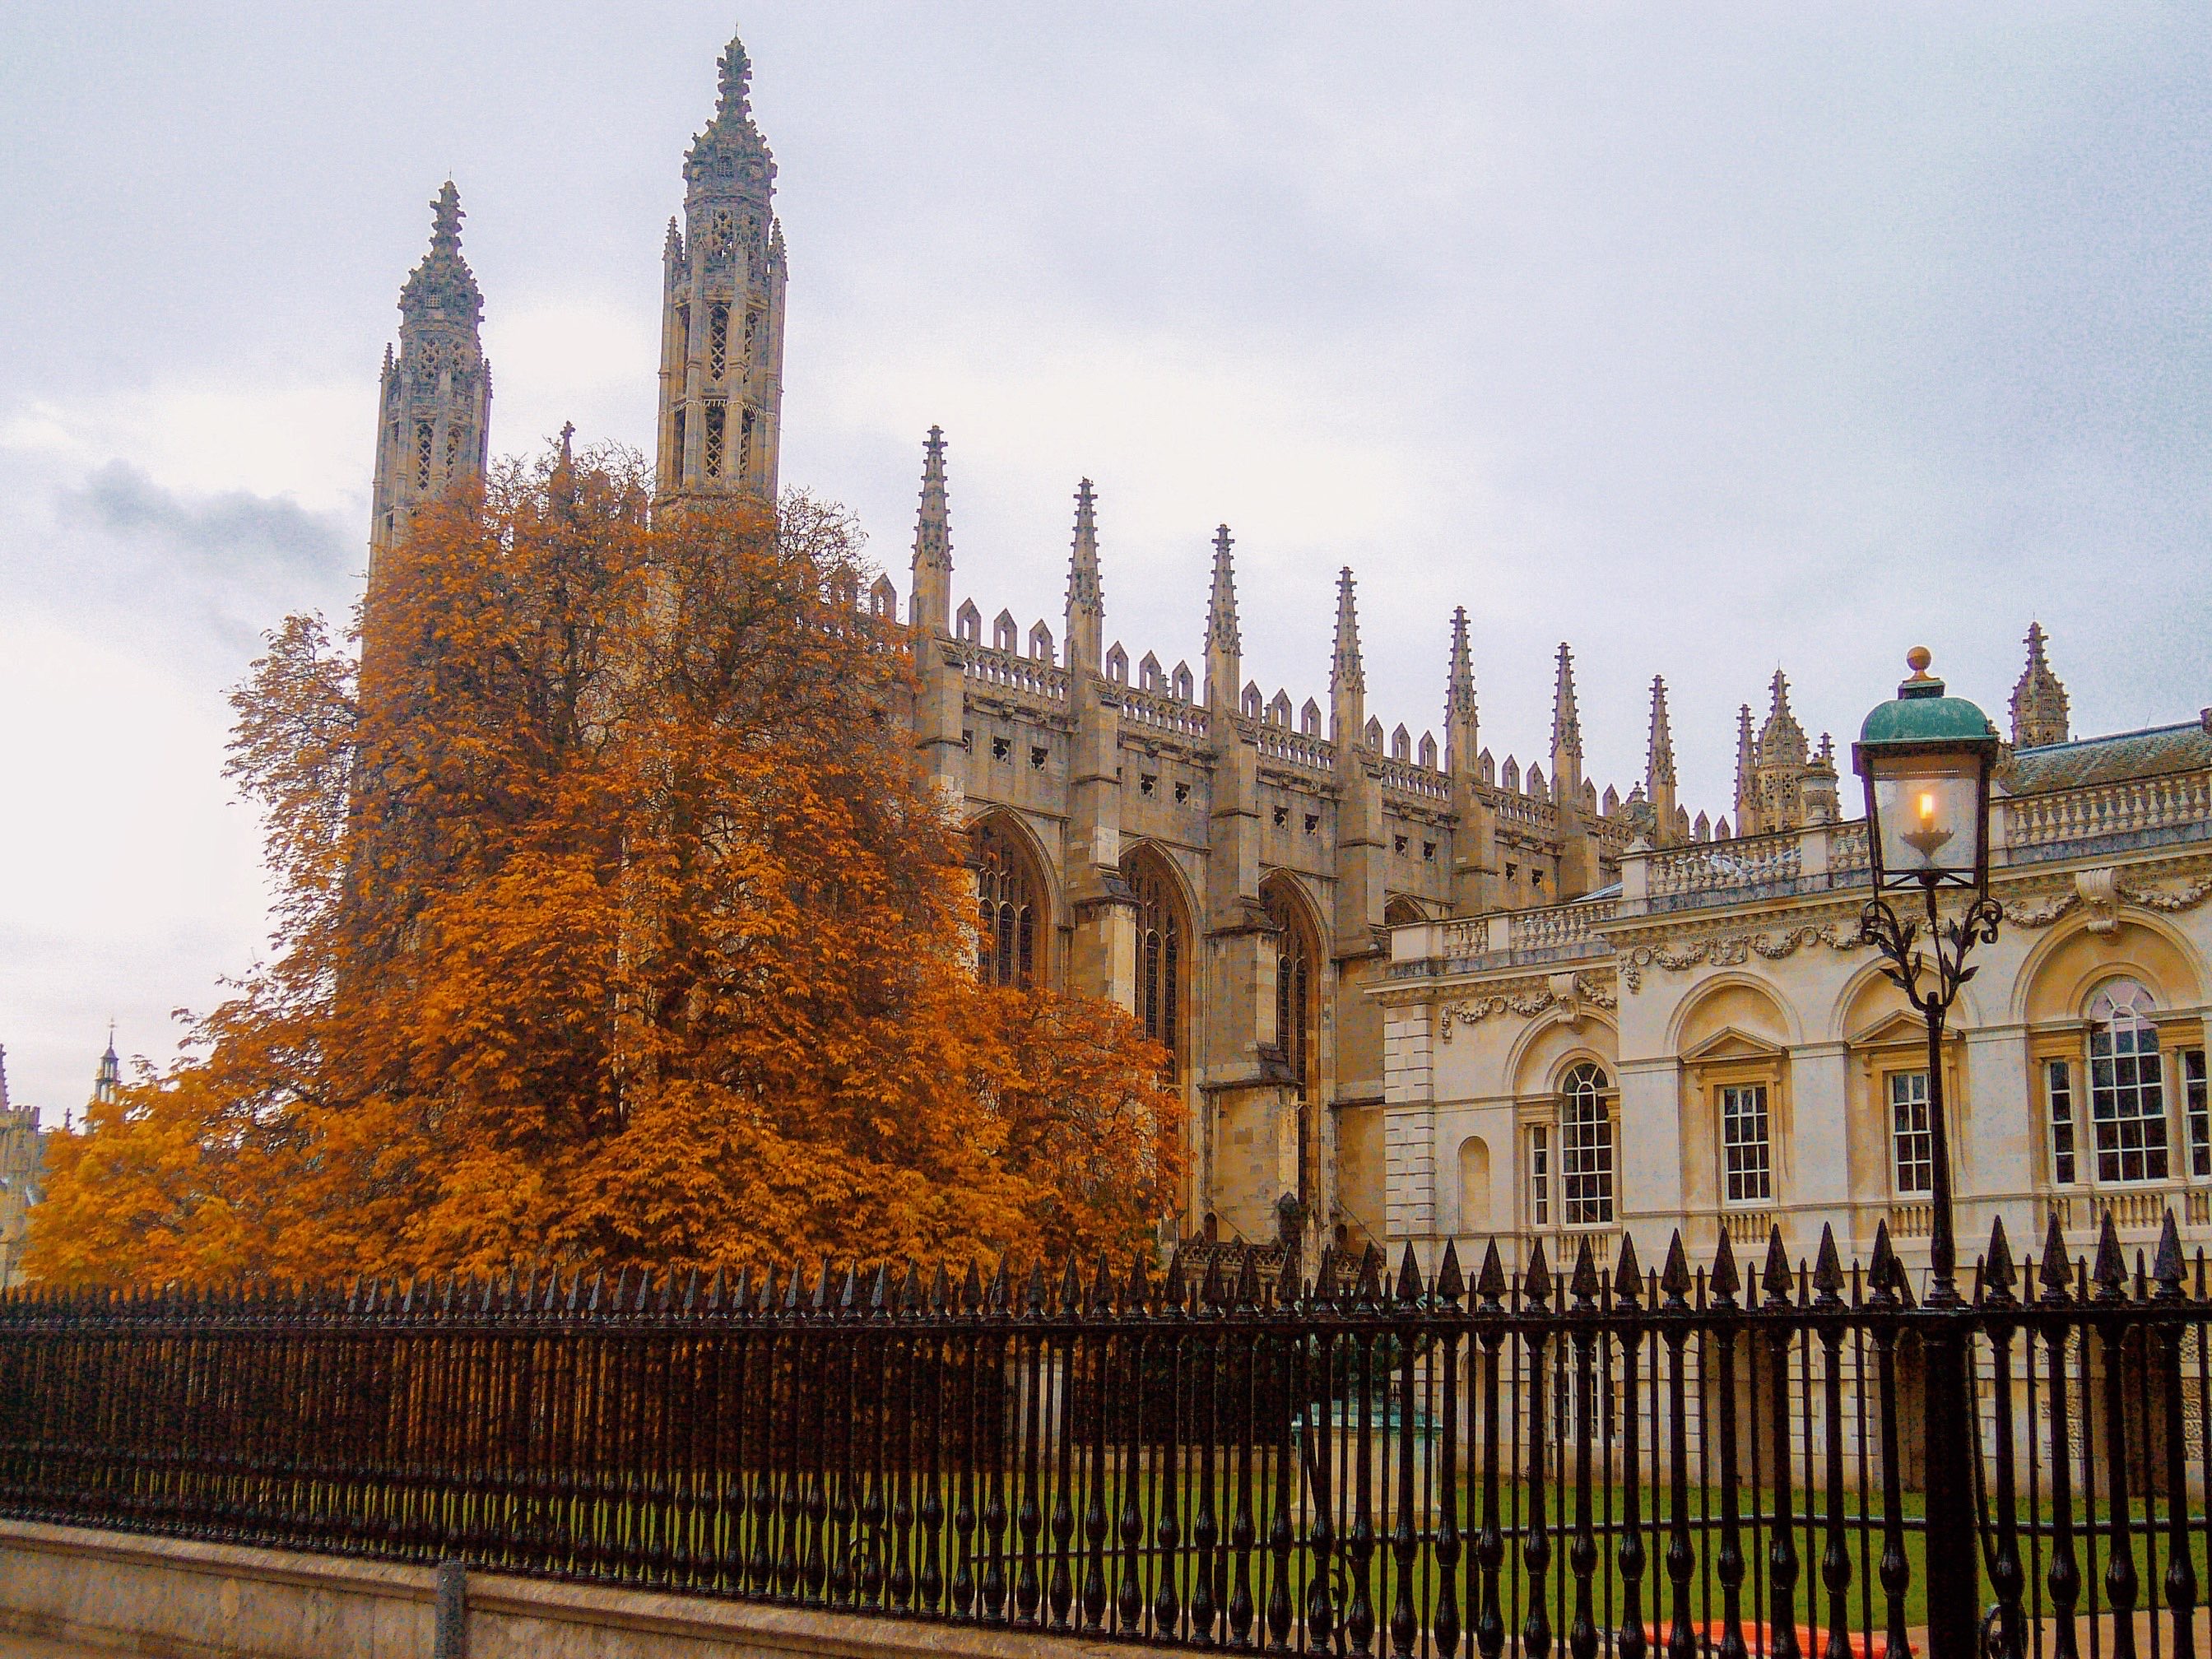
<point>615,922</point>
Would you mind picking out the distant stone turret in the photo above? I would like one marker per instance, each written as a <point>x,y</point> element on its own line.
<point>722,319</point>
<point>433,409</point>
<point>2039,701</point>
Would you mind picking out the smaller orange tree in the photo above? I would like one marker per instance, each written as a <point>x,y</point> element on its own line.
<point>615,922</point>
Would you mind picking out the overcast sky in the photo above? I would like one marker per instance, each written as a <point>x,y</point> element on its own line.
<point>1709,340</point>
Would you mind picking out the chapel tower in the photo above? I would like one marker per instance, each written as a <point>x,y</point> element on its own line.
<point>721,317</point>
<point>434,411</point>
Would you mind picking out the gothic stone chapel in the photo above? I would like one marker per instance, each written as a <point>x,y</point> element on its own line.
<point>1229,867</point>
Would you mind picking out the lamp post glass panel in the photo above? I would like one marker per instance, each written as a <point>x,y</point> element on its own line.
<point>1925,759</point>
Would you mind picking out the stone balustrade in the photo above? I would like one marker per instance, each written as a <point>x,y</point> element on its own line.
<point>1410,778</point>
<point>1284,747</point>
<point>1560,925</point>
<point>1162,714</point>
<point>2044,824</point>
<point>1003,671</point>
<point>1730,868</point>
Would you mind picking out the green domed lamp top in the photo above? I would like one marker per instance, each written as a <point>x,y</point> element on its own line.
<point>1926,759</point>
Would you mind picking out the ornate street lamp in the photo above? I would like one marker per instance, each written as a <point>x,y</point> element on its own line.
<point>1926,760</point>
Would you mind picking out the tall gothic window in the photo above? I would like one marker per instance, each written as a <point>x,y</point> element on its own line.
<point>425,435</point>
<point>1160,948</point>
<point>718,340</point>
<point>745,445</point>
<point>1586,1146</point>
<point>717,413</point>
<point>1009,908</point>
<point>1296,979</point>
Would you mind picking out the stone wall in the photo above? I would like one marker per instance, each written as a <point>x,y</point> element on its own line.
<point>163,1598</point>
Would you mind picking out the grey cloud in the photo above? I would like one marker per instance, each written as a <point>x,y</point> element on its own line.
<point>236,535</point>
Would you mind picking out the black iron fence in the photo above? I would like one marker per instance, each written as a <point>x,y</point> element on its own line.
<point>1676,1462</point>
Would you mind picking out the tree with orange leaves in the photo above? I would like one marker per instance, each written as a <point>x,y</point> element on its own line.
<point>615,923</point>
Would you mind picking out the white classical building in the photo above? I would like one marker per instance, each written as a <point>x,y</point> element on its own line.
<point>1708,1045</point>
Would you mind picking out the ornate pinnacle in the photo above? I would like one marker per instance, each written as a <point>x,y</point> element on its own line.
<point>1221,627</point>
<point>446,221</point>
<point>933,533</point>
<point>1566,724</point>
<point>1084,591</point>
<point>1659,762</point>
<point>2039,699</point>
<point>1345,672</point>
<point>734,83</point>
<point>1459,695</point>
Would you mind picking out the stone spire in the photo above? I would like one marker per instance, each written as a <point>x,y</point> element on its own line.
<point>721,321</point>
<point>1746,770</point>
<point>1086,598</point>
<point>1659,768</point>
<point>1659,757</point>
<point>1781,740</point>
<point>1345,670</point>
<point>2039,701</point>
<point>1224,645</point>
<point>932,544</point>
<point>1460,720</point>
<point>1566,723</point>
<point>109,1081</point>
<point>434,406</point>
<point>1348,679</point>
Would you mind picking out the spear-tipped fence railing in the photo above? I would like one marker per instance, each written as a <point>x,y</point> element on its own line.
<point>1670,1461</point>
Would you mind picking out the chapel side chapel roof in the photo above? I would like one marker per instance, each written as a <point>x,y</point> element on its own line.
<point>2152,752</point>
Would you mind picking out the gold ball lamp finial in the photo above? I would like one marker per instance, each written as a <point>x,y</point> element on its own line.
<point>1917,660</point>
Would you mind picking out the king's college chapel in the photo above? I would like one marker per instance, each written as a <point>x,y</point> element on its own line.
<point>1414,995</point>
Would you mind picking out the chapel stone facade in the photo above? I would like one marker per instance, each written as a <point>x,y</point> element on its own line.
<point>1301,905</point>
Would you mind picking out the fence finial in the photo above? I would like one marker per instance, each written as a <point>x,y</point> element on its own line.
<point>1725,1280</point>
<point>1627,1275</point>
<point>1033,1296</point>
<point>1585,1284</point>
<point>1450,1284</point>
<point>2111,1271</point>
<point>1071,1289</point>
<point>1881,1269</point>
<point>1777,1278</point>
<point>1828,1271</point>
<point>1409,1278</point>
<point>1675,1277</point>
<point>2165,1270</point>
<point>1998,1274</point>
<point>1373,1267</point>
<point>1490,1284</point>
<point>1137,1298</point>
<point>1537,1283</point>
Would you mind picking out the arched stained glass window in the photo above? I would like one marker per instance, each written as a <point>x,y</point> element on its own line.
<point>1296,980</point>
<point>1009,904</point>
<point>1160,951</point>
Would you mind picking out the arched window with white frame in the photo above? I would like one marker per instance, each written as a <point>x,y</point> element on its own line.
<point>1586,1146</point>
<point>2127,1085</point>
